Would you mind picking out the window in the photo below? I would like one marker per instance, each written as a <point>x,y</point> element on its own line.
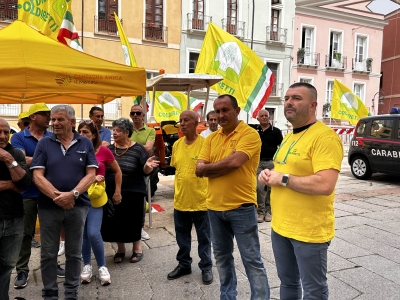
<point>358,90</point>
<point>151,74</point>
<point>111,109</point>
<point>232,17</point>
<point>193,58</point>
<point>360,54</point>
<point>8,10</point>
<point>274,69</point>
<point>382,129</point>
<point>335,55</point>
<point>198,15</point>
<point>275,1</point>
<point>307,42</point>
<point>154,20</point>
<point>274,33</point>
<point>106,20</point>
<point>326,108</point>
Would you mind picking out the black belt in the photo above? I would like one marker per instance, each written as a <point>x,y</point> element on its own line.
<point>247,204</point>
<point>265,159</point>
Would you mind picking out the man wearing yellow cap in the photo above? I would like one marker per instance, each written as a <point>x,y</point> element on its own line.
<point>26,141</point>
<point>23,120</point>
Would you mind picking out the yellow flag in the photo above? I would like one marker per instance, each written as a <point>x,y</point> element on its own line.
<point>246,77</point>
<point>126,47</point>
<point>45,15</point>
<point>130,59</point>
<point>169,105</point>
<point>346,105</point>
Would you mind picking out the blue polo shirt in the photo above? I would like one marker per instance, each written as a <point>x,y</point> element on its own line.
<point>64,168</point>
<point>26,142</point>
<point>105,134</point>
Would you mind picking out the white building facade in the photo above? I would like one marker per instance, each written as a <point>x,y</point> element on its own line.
<point>271,38</point>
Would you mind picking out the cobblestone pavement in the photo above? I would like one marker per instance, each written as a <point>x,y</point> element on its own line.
<point>363,260</point>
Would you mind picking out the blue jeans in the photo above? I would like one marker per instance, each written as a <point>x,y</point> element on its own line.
<point>240,223</point>
<point>11,233</point>
<point>300,264</point>
<point>92,238</point>
<point>183,228</point>
<point>73,221</point>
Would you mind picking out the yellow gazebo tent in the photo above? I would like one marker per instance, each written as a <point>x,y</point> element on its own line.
<point>35,68</point>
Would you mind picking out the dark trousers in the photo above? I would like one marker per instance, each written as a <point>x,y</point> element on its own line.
<point>10,243</point>
<point>183,228</point>
<point>30,215</point>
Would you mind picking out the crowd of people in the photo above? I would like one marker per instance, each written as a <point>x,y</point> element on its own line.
<point>288,181</point>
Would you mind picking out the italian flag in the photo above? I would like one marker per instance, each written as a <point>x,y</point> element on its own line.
<point>195,104</point>
<point>68,34</point>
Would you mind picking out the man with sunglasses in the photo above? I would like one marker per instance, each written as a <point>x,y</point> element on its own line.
<point>145,136</point>
<point>26,141</point>
<point>96,114</point>
<point>307,166</point>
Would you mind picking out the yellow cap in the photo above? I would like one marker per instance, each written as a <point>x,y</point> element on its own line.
<point>23,115</point>
<point>97,194</point>
<point>41,106</point>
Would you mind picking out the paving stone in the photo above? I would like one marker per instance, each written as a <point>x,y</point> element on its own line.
<point>379,235</point>
<point>346,249</point>
<point>351,221</point>
<point>350,208</point>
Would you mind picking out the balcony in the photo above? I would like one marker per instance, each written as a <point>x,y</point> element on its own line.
<point>277,90</point>
<point>153,32</point>
<point>8,16</point>
<point>308,60</point>
<point>104,26</point>
<point>198,22</point>
<point>9,110</point>
<point>236,29</point>
<point>276,35</point>
<point>363,67</point>
<point>336,62</point>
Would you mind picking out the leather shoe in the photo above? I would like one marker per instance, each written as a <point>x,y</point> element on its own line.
<point>179,272</point>
<point>207,276</point>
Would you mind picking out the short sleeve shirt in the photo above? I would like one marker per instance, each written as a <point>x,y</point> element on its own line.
<point>64,169</point>
<point>105,134</point>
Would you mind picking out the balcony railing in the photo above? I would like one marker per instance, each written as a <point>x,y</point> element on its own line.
<point>8,16</point>
<point>153,32</point>
<point>104,26</point>
<point>9,109</point>
<point>277,90</point>
<point>364,65</point>
<point>309,59</point>
<point>236,29</point>
<point>335,63</point>
<point>276,34</point>
<point>198,21</point>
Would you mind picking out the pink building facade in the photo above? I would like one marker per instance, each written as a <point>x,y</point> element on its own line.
<point>338,40</point>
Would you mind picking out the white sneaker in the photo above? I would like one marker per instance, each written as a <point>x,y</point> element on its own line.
<point>61,249</point>
<point>104,276</point>
<point>145,236</point>
<point>86,274</point>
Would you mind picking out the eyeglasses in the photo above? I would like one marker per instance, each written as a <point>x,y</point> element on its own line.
<point>43,113</point>
<point>137,113</point>
<point>85,121</point>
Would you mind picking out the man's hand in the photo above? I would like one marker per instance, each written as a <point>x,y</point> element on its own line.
<point>200,169</point>
<point>270,177</point>
<point>6,157</point>
<point>65,200</point>
<point>117,198</point>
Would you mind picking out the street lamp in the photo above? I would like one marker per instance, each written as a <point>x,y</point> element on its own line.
<point>381,97</point>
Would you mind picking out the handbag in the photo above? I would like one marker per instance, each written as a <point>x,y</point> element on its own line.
<point>97,194</point>
<point>108,209</point>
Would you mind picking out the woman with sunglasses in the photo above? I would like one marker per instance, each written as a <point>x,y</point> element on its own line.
<point>92,239</point>
<point>126,225</point>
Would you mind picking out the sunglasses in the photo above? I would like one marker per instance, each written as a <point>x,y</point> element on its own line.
<point>137,113</point>
<point>85,121</point>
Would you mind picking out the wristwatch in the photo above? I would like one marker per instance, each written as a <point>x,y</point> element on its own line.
<point>13,165</point>
<point>76,193</point>
<point>285,179</point>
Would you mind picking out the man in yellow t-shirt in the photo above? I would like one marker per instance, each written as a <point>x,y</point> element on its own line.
<point>229,158</point>
<point>190,201</point>
<point>307,166</point>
